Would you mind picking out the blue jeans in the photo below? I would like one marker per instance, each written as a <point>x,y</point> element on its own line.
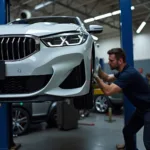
<point>137,121</point>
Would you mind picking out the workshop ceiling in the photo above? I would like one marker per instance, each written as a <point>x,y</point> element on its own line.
<point>85,9</point>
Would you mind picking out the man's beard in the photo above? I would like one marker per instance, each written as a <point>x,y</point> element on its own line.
<point>114,68</point>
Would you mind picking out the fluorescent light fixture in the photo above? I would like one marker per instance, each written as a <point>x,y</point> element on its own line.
<point>116,12</point>
<point>88,20</point>
<point>94,37</point>
<point>103,16</point>
<point>39,6</point>
<point>141,27</point>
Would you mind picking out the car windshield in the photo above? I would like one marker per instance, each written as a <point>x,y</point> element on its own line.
<point>47,19</point>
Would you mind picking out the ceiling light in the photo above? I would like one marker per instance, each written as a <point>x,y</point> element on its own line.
<point>141,27</point>
<point>39,6</point>
<point>116,12</point>
<point>103,16</point>
<point>88,20</point>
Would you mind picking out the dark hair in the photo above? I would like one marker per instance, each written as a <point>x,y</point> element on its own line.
<point>118,52</point>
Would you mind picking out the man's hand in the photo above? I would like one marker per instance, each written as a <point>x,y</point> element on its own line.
<point>98,69</point>
<point>96,77</point>
<point>107,89</point>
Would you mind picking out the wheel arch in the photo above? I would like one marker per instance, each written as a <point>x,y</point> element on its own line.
<point>52,107</point>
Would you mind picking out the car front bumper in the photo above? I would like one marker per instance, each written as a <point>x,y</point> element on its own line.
<point>54,63</point>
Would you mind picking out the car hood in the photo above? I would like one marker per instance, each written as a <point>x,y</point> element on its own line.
<point>37,29</point>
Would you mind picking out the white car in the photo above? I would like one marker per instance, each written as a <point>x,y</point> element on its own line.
<point>47,56</point>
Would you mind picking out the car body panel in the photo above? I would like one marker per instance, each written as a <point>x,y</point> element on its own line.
<point>37,29</point>
<point>40,109</point>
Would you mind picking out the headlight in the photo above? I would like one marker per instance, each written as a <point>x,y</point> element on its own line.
<point>64,39</point>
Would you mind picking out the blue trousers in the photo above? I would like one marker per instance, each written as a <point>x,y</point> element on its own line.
<point>137,121</point>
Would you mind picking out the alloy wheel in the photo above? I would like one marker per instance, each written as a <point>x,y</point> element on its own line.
<point>20,121</point>
<point>101,104</point>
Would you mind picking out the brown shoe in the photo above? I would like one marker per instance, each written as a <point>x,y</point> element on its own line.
<point>120,146</point>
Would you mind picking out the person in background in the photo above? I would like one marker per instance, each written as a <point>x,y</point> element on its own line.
<point>129,81</point>
<point>140,71</point>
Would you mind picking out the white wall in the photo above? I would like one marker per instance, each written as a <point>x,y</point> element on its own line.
<point>105,45</point>
<point>141,45</point>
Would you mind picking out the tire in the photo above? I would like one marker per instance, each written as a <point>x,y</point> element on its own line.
<point>21,121</point>
<point>52,120</point>
<point>101,104</point>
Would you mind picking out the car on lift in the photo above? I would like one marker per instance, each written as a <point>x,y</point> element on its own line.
<point>26,114</point>
<point>45,57</point>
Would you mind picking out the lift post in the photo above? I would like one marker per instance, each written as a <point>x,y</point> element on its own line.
<point>6,133</point>
<point>4,123</point>
<point>127,45</point>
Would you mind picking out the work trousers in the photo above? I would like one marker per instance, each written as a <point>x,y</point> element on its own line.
<point>137,121</point>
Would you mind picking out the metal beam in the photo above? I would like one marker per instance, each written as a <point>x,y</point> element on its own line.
<point>69,3</point>
<point>141,18</point>
<point>140,13</point>
<point>78,6</point>
<point>18,6</point>
<point>148,16</point>
<point>143,4</point>
<point>95,5</point>
<point>83,4</point>
<point>85,14</point>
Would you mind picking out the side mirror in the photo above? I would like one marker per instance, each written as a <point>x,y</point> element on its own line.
<point>95,29</point>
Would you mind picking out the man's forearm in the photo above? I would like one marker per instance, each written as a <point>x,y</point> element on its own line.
<point>105,76</point>
<point>104,87</point>
<point>102,75</point>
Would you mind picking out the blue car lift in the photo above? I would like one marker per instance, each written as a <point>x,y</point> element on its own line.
<point>6,130</point>
<point>127,45</point>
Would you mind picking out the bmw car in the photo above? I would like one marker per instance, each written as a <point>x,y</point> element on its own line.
<point>47,56</point>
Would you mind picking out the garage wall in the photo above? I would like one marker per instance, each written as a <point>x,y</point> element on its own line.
<point>141,49</point>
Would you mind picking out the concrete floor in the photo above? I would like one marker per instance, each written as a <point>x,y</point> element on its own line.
<point>101,136</point>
